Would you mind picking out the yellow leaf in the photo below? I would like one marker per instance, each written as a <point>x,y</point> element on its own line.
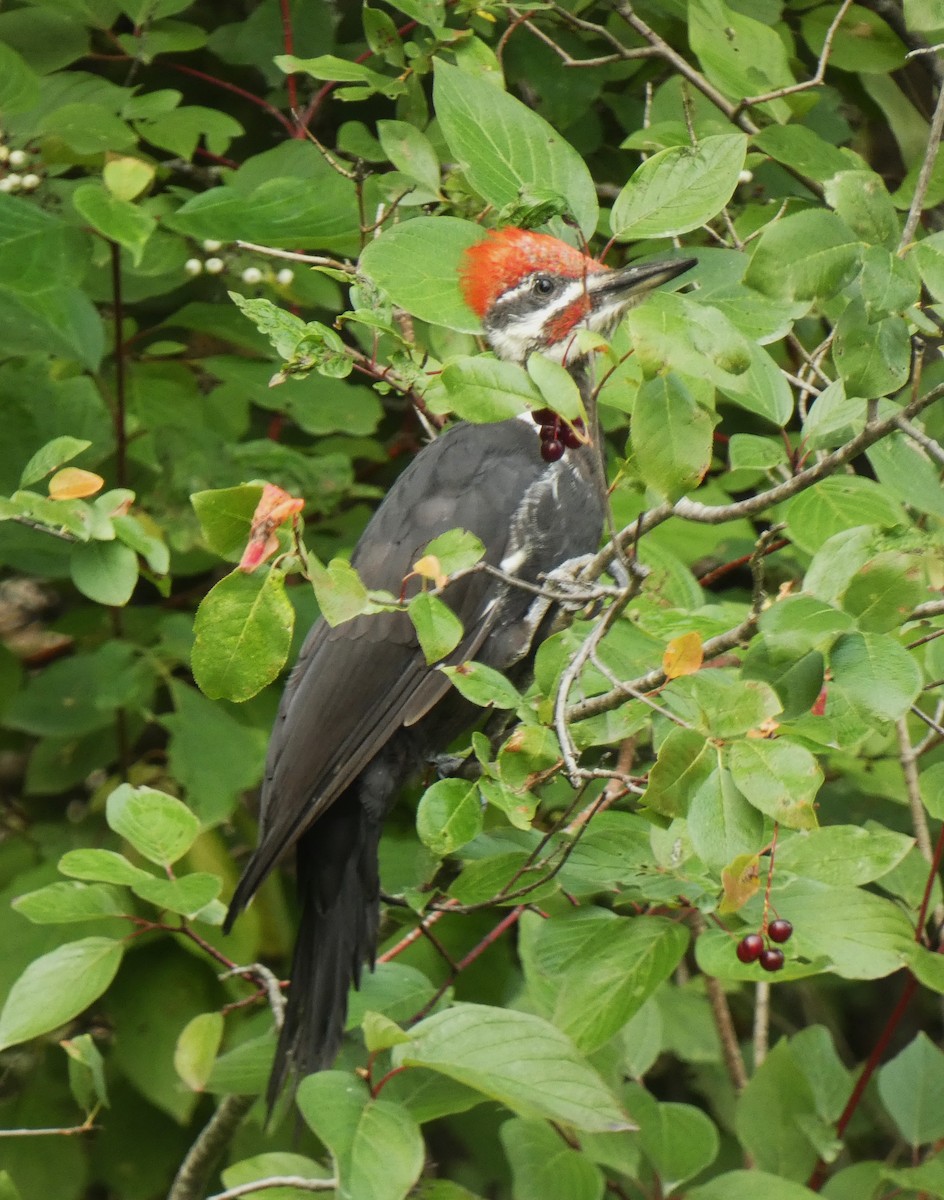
<point>72,483</point>
<point>683,656</point>
<point>429,567</point>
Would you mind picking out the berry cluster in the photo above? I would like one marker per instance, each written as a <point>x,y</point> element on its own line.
<point>216,266</point>
<point>753,947</point>
<point>557,435</point>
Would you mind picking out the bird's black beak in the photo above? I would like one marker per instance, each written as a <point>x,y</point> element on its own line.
<point>618,288</point>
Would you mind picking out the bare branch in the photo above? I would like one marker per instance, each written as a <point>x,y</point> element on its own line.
<point>190,1182</point>
<point>718,514</point>
<point>816,79</point>
<point>314,260</point>
<point>924,175</point>
<point>299,1182</point>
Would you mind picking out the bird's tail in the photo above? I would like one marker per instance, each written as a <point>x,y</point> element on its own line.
<point>339,889</point>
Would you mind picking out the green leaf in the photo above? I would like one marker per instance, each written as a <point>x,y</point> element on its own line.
<point>742,57</point>
<point>449,815</point>
<point>518,1060</point>
<point>289,196</point>
<point>837,504</point>
<point>483,685</point>
<point>557,386</point>
<point>19,84</point>
<point>181,130</point>
<point>225,516</point>
<point>684,761</point>
<point>104,866</point>
<point>410,151</point>
<point>808,255</point>
<point>774,1114</point>
<point>276,1162</point>
<point>873,359</point>
<point>106,572</point>
<point>484,389</point>
<point>671,436</point>
<point>116,219</point>
<point>60,321</point>
<point>456,550</point>
<point>680,1141</point>
<point>158,826</point>
<point>722,822</point>
<point>57,987</point>
<point>87,128</point>
<point>612,975</point>
<point>912,1089</point>
<point>860,198</point>
<point>243,632</point>
<point>863,42</point>
<point>843,854</point>
<point>196,1049</point>
<point>437,627</point>
<point>544,1167</point>
<point>35,245</point>
<point>86,1072</point>
<point>64,902</point>
<point>376,1145</point>
<point>342,70</point>
<point>283,329</point>
<point>862,935</point>
<point>417,264</point>
<point>748,1185</point>
<point>505,148</point>
<point>60,450</point>
<point>679,189</point>
<point>877,675</point>
<point>779,777</point>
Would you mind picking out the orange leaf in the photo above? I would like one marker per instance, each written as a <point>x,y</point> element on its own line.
<point>740,880</point>
<point>72,483</point>
<point>275,507</point>
<point>683,656</point>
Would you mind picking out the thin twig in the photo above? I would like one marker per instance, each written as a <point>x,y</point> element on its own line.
<point>299,1182</point>
<point>924,175</point>
<point>816,79</point>
<point>193,1175</point>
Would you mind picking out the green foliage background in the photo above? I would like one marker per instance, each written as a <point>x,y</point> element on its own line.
<point>775,450</point>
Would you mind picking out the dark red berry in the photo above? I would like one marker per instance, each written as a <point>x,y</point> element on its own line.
<point>750,948</point>
<point>771,959</point>
<point>570,437</point>
<point>780,930</point>
<point>552,450</point>
<point>543,416</point>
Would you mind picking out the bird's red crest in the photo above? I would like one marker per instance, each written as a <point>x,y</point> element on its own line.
<point>507,255</point>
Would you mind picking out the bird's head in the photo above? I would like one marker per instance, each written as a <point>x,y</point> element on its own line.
<point>534,292</point>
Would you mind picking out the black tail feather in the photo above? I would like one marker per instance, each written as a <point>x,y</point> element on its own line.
<point>339,889</point>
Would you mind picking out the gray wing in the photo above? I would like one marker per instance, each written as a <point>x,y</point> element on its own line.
<point>355,685</point>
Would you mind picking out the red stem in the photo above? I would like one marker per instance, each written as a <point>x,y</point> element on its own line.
<point>818,1177</point>
<point>288,41</point>
<point>238,91</point>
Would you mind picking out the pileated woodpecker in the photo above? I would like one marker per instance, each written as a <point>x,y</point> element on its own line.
<point>362,709</point>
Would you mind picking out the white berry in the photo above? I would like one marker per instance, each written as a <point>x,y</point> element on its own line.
<point>285,276</point>
<point>193,266</point>
<point>252,275</point>
<point>30,182</point>
<point>745,176</point>
<point>211,245</point>
<point>18,158</point>
<point>213,266</point>
<point>13,181</point>
<point>4,153</point>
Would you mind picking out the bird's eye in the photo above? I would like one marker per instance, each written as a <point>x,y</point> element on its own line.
<point>543,285</point>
